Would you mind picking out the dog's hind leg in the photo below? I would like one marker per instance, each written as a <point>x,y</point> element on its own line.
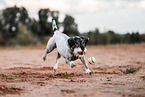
<point>56,62</point>
<point>51,45</point>
<point>71,63</point>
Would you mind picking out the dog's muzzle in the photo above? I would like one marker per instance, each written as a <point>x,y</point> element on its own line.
<point>81,53</point>
<point>78,52</point>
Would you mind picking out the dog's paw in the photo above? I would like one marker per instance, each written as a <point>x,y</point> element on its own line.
<point>72,66</point>
<point>44,58</point>
<point>88,71</point>
<point>55,67</point>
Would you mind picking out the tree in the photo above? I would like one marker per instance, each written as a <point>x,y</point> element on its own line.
<point>45,25</point>
<point>34,26</point>
<point>132,38</point>
<point>11,18</point>
<point>24,37</point>
<point>137,37</point>
<point>2,41</point>
<point>70,27</point>
<point>55,15</point>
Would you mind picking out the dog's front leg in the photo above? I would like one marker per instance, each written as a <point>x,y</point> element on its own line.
<point>85,65</point>
<point>71,63</point>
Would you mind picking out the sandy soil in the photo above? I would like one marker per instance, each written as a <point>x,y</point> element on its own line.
<point>24,73</point>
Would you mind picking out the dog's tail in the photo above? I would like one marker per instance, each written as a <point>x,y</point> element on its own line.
<point>54,26</point>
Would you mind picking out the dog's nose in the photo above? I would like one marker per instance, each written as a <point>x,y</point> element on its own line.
<point>84,50</point>
<point>81,53</point>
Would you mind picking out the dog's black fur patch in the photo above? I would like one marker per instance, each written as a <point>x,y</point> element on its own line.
<point>76,42</point>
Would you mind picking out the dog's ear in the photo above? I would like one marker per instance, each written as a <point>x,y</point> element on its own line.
<point>86,39</point>
<point>71,42</point>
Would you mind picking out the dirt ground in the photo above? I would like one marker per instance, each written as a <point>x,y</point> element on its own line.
<point>24,73</point>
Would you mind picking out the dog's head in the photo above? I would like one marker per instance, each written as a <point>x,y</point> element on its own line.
<point>77,44</point>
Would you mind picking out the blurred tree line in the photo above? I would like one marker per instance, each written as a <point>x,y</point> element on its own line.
<point>16,27</point>
<point>110,37</point>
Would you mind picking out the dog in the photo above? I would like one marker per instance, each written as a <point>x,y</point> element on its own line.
<point>70,48</point>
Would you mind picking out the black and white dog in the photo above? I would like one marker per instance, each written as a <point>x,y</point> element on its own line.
<point>69,48</point>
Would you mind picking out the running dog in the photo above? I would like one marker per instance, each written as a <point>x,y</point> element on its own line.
<point>69,48</point>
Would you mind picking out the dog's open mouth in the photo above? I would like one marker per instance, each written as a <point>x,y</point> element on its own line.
<point>81,54</point>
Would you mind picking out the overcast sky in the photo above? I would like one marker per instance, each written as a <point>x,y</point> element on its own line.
<point>120,16</point>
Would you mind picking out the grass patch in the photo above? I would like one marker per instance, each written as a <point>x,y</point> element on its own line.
<point>131,70</point>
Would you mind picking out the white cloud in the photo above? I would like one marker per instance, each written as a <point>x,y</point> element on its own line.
<point>91,6</point>
<point>87,6</point>
<point>75,6</point>
<point>2,4</point>
<point>127,4</point>
<point>142,4</point>
<point>101,13</point>
<point>34,5</point>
